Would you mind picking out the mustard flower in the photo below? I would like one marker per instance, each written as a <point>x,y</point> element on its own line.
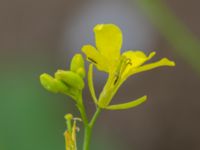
<point>106,56</point>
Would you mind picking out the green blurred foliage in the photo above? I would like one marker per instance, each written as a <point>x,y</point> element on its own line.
<point>29,119</point>
<point>174,30</point>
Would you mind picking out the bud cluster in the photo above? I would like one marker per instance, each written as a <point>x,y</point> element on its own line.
<point>68,82</point>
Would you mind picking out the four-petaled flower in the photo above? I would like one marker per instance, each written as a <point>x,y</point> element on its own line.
<point>107,57</point>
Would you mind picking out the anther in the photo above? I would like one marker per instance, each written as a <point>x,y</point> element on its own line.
<point>128,61</point>
<point>92,60</point>
<point>117,77</point>
<point>121,67</point>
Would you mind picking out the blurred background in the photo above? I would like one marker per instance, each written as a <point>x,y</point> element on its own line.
<point>42,35</point>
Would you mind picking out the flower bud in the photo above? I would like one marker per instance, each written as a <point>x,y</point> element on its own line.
<point>68,116</point>
<point>81,72</point>
<point>77,65</point>
<point>70,78</point>
<point>51,84</point>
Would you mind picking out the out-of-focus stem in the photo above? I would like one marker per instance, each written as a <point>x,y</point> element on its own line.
<point>82,110</point>
<point>185,43</point>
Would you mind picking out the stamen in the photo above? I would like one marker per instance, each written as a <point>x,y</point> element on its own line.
<point>92,60</point>
<point>117,77</point>
<point>77,119</point>
<point>124,62</point>
<point>128,61</point>
<point>77,129</point>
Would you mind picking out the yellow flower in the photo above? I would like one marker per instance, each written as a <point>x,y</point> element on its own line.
<point>106,57</point>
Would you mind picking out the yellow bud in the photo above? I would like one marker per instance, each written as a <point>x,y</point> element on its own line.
<point>77,63</point>
<point>51,84</point>
<point>70,78</point>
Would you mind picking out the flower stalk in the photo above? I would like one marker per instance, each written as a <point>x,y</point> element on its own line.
<point>89,128</point>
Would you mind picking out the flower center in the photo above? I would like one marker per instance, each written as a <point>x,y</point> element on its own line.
<point>124,62</point>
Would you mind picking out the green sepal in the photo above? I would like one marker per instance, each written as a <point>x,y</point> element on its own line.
<point>91,84</point>
<point>127,105</point>
<point>77,65</point>
<point>52,85</point>
<point>70,78</point>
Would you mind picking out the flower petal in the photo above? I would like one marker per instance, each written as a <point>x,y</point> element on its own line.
<point>162,62</point>
<point>127,105</point>
<point>108,38</point>
<point>96,58</point>
<point>137,57</point>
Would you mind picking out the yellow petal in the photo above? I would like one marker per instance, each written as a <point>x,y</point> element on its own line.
<point>162,62</point>
<point>137,57</point>
<point>96,58</point>
<point>108,38</point>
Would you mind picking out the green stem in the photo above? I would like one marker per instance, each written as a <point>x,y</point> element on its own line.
<point>87,125</point>
<point>88,130</point>
<point>94,118</point>
<point>87,137</point>
<point>81,109</point>
<point>83,113</point>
